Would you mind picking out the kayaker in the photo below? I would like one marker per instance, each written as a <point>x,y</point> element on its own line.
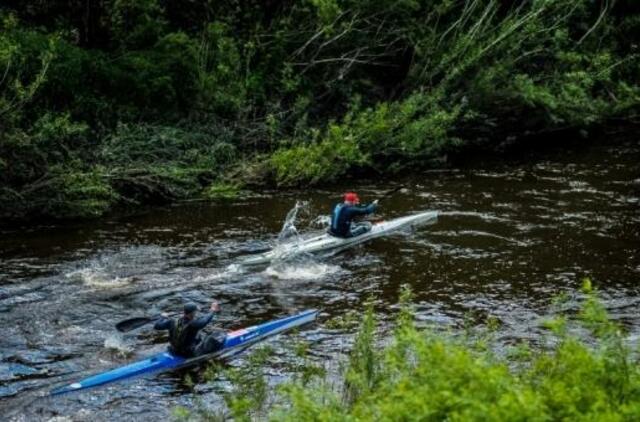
<point>343,215</point>
<point>184,338</point>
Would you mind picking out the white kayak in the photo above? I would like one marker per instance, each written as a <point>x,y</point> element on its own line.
<point>324,243</point>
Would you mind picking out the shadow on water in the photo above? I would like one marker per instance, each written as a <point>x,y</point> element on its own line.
<point>509,238</point>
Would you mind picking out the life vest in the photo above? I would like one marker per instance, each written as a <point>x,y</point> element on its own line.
<point>335,218</point>
<point>177,337</point>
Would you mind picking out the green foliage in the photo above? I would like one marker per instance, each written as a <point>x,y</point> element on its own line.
<point>23,66</point>
<point>44,162</point>
<point>221,86</point>
<point>305,370</point>
<point>327,10</point>
<point>79,194</point>
<point>222,190</point>
<point>346,320</point>
<point>471,59</point>
<point>363,371</point>
<point>165,162</point>
<point>250,386</point>
<point>245,401</point>
<point>416,129</point>
<point>424,375</point>
<point>325,160</point>
<point>306,92</point>
<point>199,148</point>
<point>137,23</point>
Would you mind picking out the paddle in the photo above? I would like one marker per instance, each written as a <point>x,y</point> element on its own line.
<point>137,322</point>
<point>133,323</point>
<point>384,195</point>
<point>391,192</point>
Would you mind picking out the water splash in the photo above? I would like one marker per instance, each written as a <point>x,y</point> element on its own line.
<point>289,265</point>
<point>289,230</point>
<point>119,268</point>
<point>290,241</point>
<point>116,344</point>
<point>229,271</point>
<point>303,269</point>
<point>289,238</point>
<point>100,278</point>
<point>321,222</point>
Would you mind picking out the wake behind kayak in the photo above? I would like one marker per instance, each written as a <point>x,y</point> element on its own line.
<point>234,343</point>
<point>326,243</point>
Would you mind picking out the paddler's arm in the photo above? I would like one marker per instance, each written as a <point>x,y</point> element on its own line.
<point>163,324</point>
<point>202,321</point>
<point>364,210</point>
<point>206,318</point>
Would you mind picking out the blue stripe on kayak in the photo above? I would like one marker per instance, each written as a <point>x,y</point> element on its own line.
<point>235,342</point>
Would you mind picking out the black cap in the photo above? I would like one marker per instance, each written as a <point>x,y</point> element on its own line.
<point>190,308</point>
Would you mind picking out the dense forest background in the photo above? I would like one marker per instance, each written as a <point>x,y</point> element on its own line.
<point>109,103</point>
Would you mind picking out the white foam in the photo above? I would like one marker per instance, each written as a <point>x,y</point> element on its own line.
<point>301,271</point>
<point>116,343</point>
<point>96,277</point>
<point>230,271</point>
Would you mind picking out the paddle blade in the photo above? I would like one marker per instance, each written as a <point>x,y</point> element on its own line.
<point>133,323</point>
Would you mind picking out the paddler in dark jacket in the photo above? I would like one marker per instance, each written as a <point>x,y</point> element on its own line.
<point>183,332</point>
<point>343,215</point>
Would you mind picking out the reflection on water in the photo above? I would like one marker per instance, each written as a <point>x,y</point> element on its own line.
<point>509,238</point>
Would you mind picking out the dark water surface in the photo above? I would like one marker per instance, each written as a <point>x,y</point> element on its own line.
<point>509,238</point>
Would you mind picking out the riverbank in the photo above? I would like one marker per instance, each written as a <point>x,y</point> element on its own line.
<point>131,103</point>
<point>78,195</point>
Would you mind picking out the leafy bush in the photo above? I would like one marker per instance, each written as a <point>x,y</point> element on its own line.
<point>221,87</point>
<point>325,160</point>
<point>79,194</point>
<point>327,88</point>
<point>222,190</point>
<point>385,138</point>
<point>428,374</point>
<point>164,162</point>
<point>137,24</point>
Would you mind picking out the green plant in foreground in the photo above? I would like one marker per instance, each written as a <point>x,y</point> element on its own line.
<point>250,386</point>
<point>422,374</point>
<point>248,395</point>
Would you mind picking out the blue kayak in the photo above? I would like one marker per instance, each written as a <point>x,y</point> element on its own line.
<point>234,343</point>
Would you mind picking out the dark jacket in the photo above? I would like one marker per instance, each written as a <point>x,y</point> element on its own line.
<point>343,215</point>
<point>183,334</point>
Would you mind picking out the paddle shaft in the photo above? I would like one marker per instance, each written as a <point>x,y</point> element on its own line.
<point>391,192</point>
<point>133,323</point>
<point>384,195</point>
<point>137,322</point>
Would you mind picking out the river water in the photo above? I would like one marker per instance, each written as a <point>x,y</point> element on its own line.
<point>509,238</point>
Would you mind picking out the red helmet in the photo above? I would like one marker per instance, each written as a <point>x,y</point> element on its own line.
<point>351,197</point>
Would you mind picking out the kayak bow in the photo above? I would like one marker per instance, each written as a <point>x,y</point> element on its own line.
<point>234,343</point>
<point>328,243</point>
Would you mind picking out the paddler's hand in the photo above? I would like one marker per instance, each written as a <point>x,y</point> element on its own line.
<point>215,307</point>
<point>375,202</point>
